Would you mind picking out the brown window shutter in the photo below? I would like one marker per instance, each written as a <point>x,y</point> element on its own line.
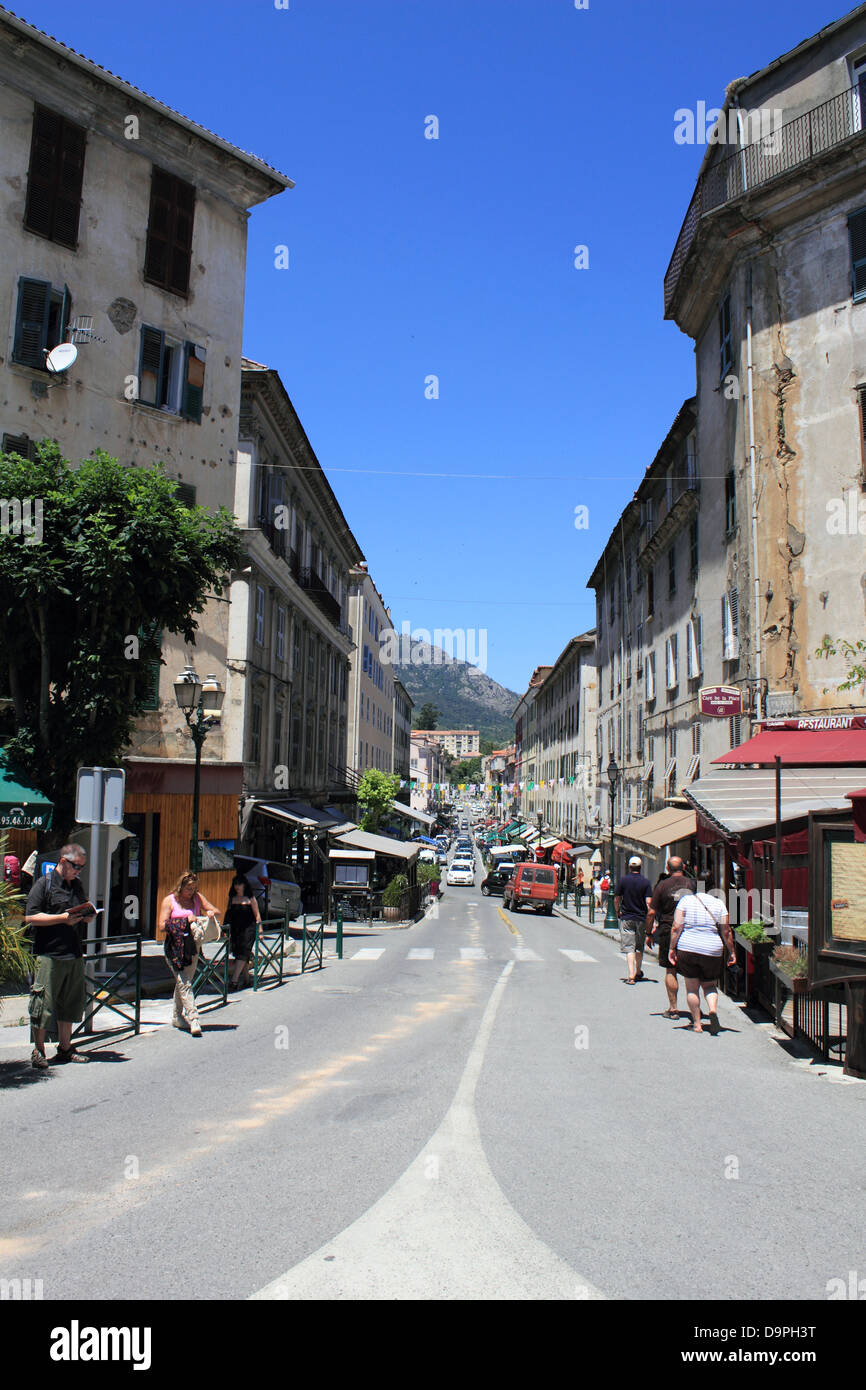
<point>169,232</point>
<point>55,177</point>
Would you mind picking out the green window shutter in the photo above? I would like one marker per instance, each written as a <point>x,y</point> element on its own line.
<point>55,177</point>
<point>147,680</point>
<point>857,233</point>
<point>150,366</point>
<point>193,382</point>
<point>19,444</point>
<point>185,493</point>
<point>31,324</point>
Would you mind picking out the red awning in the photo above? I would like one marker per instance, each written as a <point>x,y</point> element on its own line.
<point>801,748</point>
<point>559,851</point>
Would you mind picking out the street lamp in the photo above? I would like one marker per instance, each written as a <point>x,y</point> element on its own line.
<point>201,703</point>
<point>613,778</point>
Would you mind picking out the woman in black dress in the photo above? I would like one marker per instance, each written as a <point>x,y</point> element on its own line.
<point>242,914</point>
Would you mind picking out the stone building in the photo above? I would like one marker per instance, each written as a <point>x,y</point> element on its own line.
<point>371,678</point>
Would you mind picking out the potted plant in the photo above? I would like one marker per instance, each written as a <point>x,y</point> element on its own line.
<point>752,937</point>
<point>16,960</point>
<point>392,898</point>
<point>791,967</point>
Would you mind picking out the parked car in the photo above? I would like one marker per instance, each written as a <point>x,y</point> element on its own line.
<point>461,874</point>
<point>532,885</point>
<point>495,882</point>
<point>273,884</point>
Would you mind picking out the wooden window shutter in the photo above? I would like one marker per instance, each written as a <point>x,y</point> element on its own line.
<point>55,177</point>
<point>19,444</point>
<point>31,325</point>
<point>857,233</point>
<point>193,382</point>
<point>861,399</point>
<point>185,494</point>
<point>150,366</point>
<point>169,232</point>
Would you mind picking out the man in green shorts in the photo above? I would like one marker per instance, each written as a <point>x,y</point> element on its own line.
<point>58,986</point>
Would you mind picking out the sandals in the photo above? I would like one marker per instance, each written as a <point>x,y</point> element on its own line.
<point>671,1013</point>
<point>70,1054</point>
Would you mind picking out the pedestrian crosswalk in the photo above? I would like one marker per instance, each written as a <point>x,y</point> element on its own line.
<point>469,953</point>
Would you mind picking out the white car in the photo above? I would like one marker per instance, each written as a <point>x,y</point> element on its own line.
<point>461,875</point>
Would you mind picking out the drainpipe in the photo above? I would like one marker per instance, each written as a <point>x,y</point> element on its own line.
<point>750,398</point>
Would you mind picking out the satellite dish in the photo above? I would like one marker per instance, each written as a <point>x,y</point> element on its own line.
<point>61,358</point>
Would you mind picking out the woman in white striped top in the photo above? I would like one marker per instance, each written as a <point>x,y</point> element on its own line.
<point>699,935</point>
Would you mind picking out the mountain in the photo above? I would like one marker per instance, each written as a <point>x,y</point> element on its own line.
<point>467,698</point>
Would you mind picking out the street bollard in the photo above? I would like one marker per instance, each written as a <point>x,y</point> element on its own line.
<point>592,907</point>
<point>339,933</point>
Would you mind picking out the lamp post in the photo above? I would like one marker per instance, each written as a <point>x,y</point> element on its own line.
<point>201,703</point>
<point>613,778</point>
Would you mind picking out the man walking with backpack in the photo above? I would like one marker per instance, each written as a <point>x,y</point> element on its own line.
<point>632,900</point>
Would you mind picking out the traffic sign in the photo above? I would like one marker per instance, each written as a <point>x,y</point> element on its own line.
<point>99,795</point>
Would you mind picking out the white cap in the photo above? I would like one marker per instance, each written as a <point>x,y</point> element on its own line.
<point>635,859</point>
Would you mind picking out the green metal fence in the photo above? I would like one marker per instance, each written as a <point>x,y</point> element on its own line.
<point>270,950</point>
<point>105,993</point>
<point>312,944</point>
<point>213,972</point>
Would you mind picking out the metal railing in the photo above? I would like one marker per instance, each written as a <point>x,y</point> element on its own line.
<point>270,949</point>
<point>784,148</point>
<point>312,944</point>
<point>104,993</point>
<point>213,972</point>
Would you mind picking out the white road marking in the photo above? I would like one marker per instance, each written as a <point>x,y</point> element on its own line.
<point>578,956</point>
<point>524,953</point>
<point>472,953</point>
<point>368,953</point>
<point>445,1230</point>
<point>421,953</point>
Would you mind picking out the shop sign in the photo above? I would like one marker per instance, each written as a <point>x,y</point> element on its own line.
<point>721,701</point>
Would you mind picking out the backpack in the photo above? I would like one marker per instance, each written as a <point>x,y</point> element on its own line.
<point>12,869</point>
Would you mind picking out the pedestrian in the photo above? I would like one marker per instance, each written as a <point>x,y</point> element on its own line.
<point>242,916</point>
<point>700,933</point>
<point>580,889</point>
<point>596,888</point>
<point>632,900</point>
<point>668,892</point>
<point>58,989</point>
<point>181,948</point>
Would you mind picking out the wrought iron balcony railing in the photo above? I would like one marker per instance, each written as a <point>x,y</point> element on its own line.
<point>787,147</point>
<point>321,595</point>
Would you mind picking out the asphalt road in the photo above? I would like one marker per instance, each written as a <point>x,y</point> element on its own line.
<point>475,1107</point>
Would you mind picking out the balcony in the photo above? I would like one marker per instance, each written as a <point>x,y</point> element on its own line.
<point>277,537</point>
<point>321,595</point>
<point>792,146</point>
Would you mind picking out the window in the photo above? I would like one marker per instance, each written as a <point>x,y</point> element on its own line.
<point>857,234</point>
<point>628,580</point>
<point>147,679</point>
<point>168,253</point>
<point>185,494</point>
<point>260,620</point>
<point>256,732</point>
<point>734,731</point>
<point>55,177</point>
<point>858,82</point>
<point>647,518</point>
<point>19,444</point>
<point>40,323</point>
<point>693,650</point>
<point>730,626</point>
<point>730,502</point>
<point>861,400</point>
<point>281,634</point>
<point>725,338</point>
<point>297,657</point>
<point>278,738</point>
<point>355,874</point>
<point>693,548</point>
<point>672,675</point>
<point>650,593</point>
<point>651,676</point>
<point>171,374</point>
<point>672,571</point>
<point>696,738</point>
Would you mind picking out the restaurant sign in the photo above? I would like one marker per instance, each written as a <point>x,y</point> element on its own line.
<point>818,722</point>
<point>721,701</point>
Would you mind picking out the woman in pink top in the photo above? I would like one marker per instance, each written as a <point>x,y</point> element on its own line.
<point>181,952</point>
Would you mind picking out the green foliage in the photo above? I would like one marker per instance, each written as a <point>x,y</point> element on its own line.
<point>791,961</point>
<point>428,872</point>
<point>427,716</point>
<point>752,931</point>
<point>856,674</point>
<point>467,770</point>
<point>395,891</point>
<point>16,960</point>
<point>119,557</point>
<point>376,793</point>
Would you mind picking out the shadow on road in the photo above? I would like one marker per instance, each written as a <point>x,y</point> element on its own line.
<point>14,1075</point>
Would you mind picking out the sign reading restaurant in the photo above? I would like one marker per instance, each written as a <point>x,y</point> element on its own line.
<point>818,722</point>
<point>721,701</point>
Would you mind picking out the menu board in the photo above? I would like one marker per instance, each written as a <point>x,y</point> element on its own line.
<point>847,891</point>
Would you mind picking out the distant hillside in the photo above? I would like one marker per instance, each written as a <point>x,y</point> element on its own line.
<point>467,698</point>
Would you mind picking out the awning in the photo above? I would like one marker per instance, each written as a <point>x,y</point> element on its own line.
<point>402,809</point>
<point>745,800</point>
<point>379,844</point>
<point>22,808</point>
<point>527,836</point>
<point>353,854</point>
<point>300,815</point>
<point>424,840</point>
<point>661,828</point>
<point>548,842</point>
<point>803,747</point>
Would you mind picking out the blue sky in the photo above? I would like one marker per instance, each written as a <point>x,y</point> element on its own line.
<point>413,257</point>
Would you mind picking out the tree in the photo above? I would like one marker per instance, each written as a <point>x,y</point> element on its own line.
<point>468,770</point>
<point>376,793</point>
<point>856,673</point>
<point>118,559</point>
<point>427,716</point>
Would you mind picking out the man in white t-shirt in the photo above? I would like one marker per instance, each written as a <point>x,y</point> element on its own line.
<point>700,934</point>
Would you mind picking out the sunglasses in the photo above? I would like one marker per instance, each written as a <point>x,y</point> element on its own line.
<point>76,863</point>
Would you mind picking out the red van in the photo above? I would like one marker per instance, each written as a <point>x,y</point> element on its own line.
<point>534,885</point>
